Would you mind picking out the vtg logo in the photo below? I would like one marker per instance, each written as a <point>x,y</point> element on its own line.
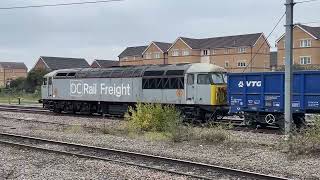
<point>241,84</point>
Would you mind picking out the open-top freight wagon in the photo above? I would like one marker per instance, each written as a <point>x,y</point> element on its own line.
<point>260,96</point>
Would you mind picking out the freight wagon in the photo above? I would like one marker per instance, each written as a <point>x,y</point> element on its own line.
<point>198,90</point>
<point>260,96</point>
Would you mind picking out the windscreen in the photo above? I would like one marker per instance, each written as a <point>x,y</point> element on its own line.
<point>218,78</point>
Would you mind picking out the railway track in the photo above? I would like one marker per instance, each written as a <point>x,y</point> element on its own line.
<point>235,122</point>
<point>25,109</point>
<point>158,163</point>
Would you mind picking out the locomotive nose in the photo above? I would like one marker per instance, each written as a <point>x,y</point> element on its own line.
<point>218,95</point>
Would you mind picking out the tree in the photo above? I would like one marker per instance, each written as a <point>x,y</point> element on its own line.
<point>34,80</point>
<point>18,84</point>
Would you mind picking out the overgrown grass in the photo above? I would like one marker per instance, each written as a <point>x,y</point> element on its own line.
<point>7,97</point>
<point>215,134</point>
<point>304,142</point>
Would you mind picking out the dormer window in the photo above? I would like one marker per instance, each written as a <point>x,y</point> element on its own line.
<point>305,43</point>
<point>148,55</point>
<point>185,52</point>
<point>205,52</point>
<point>242,50</point>
<point>157,55</point>
<point>175,52</point>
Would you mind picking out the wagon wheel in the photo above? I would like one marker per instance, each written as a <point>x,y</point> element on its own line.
<point>270,119</point>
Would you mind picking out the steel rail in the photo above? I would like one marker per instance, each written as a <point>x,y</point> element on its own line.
<point>171,165</point>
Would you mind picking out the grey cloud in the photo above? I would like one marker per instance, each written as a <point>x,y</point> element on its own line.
<point>104,30</point>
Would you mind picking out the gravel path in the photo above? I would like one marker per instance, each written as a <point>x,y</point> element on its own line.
<point>16,163</point>
<point>260,155</point>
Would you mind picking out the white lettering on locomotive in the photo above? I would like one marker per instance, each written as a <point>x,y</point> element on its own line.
<point>117,91</point>
<point>79,88</point>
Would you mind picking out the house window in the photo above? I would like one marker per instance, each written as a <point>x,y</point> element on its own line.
<point>205,52</point>
<point>305,60</point>
<point>125,58</point>
<point>226,64</point>
<point>227,51</point>
<point>185,52</point>
<point>148,55</point>
<point>305,43</point>
<point>241,63</point>
<point>157,55</point>
<point>242,50</point>
<point>175,52</point>
<point>214,51</point>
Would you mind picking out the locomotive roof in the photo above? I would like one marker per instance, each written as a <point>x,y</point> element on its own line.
<point>137,71</point>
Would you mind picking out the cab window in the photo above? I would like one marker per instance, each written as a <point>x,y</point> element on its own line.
<point>203,79</point>
<point>190,79</point>
<point>45,81</point>
<point>50,81</point>
<point>217,78</point>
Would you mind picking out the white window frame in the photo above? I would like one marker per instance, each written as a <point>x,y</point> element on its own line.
<point>305,60</point>
<point>214,51</point>
<point>175,52</point>
<point>157,55</point>
<point>227,51</point>
<point>205,52</point>
<point>226,64</point>
<point>185,52</point>
<point>148,56</point>
<point>241,63</point>
<point>242,49</point>
<point>305,43</point>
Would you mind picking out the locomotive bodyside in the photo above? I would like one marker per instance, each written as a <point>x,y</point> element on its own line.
<point>196,89</point>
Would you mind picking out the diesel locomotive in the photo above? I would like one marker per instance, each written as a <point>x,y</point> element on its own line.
<point>197,90</point>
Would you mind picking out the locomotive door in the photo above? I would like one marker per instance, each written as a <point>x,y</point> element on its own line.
<point>50,88</point>
<point>190,88</point>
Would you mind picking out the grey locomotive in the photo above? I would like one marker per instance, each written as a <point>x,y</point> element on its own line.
<point>198,90</point>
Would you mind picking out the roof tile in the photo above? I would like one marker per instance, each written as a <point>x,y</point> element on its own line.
<point>55,63</point>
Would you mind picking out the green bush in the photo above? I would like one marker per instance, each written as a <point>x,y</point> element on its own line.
<point>153,118</point>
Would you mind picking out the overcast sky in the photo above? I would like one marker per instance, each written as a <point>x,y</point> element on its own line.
<point>102,31</point>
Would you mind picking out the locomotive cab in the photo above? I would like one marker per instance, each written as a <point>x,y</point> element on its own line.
<point>207,86</point>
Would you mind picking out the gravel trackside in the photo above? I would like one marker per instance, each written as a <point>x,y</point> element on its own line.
<point>260,155</point>
<point>17,163</point>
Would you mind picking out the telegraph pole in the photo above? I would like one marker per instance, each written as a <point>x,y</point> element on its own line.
<point>288,66</point>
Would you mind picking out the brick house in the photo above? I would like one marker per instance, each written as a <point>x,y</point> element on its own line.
<point>156,53</point>
<point>306,47</point>
<point>231,52</point>
<point>11,71</point>
<point>55,63</point>
<point>99,63</point>
<point>132,56</point>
